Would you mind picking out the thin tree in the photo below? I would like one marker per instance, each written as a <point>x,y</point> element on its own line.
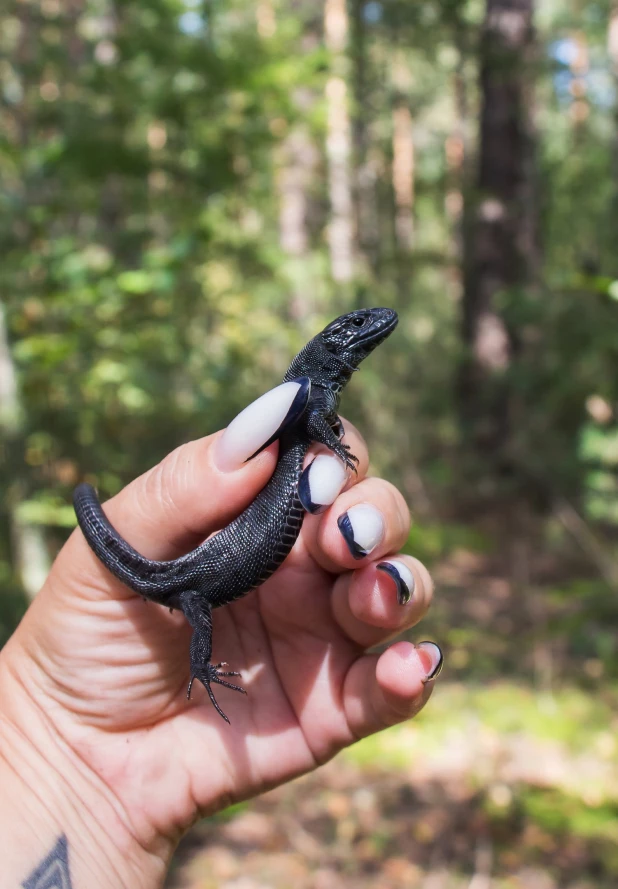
<point>501,244</point>
<point>339,145</point>
<point>612,48</point>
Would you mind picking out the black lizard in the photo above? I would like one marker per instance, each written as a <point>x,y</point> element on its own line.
<point>246,552</point>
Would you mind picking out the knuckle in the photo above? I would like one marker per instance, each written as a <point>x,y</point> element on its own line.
<point>163,481</point>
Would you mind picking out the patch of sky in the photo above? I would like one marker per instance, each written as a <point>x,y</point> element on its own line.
<point>600,88</point>
<point>191,23</point>
<point>564,51</point>
<point>373,12</point>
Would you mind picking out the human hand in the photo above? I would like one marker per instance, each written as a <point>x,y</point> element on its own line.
<point>92,683</point>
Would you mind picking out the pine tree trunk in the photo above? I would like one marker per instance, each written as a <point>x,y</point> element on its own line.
<point>612,47</point>
<point>580,69</point>
<point>296,163</point>
<point>501,244</point>
<point>265,18</point>
<point>339,146</point>
<point>296,160</point>
<point>29,548</point>
<point>368,242</point>
<point>403,155</point>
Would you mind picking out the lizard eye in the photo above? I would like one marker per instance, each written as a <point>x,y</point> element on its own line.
<point>359,322</point>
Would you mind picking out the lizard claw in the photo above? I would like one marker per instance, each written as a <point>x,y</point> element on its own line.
<point>350,460</point>
<point>210,673</point>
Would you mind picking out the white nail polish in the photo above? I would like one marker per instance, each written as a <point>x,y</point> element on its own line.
<point>403,577</point>
<point>362,527</point>
<point>321,482</point>
<point>254,425</point>
<point>436,656</point>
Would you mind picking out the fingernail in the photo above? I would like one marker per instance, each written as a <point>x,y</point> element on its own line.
<point>403,577</point>
<point>431,658</point>
<point>321,482</point>
<point>362,527</point>
<point>260,423</point>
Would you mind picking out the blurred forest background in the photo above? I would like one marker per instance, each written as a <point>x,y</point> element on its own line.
<point>190,189</point>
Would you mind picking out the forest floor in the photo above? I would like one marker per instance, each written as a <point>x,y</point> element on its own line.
<point>508,780</point>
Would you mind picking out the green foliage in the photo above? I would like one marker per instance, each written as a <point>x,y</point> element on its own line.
<point>12,604</point>
<point>431,541</point>
<point>560,814</point>
<point>599,450</point>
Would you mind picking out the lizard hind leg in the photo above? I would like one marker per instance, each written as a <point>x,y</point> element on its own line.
<point>198,612</point>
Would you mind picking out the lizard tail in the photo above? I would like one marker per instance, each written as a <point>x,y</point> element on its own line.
<point>144,576</point>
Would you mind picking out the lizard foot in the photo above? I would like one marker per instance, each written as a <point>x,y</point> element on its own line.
<point>209,674</point>
<point>350,460</point>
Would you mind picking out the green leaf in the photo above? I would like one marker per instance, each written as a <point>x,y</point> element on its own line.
<point>138,281</point>
<point>52,513</point>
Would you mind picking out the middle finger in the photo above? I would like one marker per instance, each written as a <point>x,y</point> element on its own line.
<point>370,518</point>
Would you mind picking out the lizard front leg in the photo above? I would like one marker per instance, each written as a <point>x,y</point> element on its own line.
<point>198,612</point>
<point>321,430</point>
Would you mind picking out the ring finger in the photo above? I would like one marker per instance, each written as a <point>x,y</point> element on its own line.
<point>382,599</point>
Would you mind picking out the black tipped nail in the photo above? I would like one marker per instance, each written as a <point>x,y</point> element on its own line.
<point>404,593</point>
<point>295,412</point>
<point>304,494</point>
<point>439,661</point>
<point>347,532</point>
<point>297,408</point>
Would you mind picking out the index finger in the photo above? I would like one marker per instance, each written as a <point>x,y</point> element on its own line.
<point>327,474</point>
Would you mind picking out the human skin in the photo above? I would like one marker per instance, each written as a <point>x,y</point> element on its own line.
<point>97,740</point>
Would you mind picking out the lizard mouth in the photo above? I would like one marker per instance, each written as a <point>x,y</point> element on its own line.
<point>384,321</point>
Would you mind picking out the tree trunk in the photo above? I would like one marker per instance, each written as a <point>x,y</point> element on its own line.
<point>265,18</point>
<point>403,155</point>
<point>580,65</point>
<point>612,47</point>
<point>296,163</point>
<point>457,153</point>
<point>339,146</point>
<point>29,548</point>
<point>366,175</point>
<point>296,160</point>
<point>501,245</point>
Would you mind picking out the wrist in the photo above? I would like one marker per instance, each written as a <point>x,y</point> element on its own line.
<point>51,800</point>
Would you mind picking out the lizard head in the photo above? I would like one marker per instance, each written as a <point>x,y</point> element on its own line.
<point>353,336</point>
<point>330,358</point>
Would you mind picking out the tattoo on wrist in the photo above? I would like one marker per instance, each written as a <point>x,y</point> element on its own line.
<point>53,871</point>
